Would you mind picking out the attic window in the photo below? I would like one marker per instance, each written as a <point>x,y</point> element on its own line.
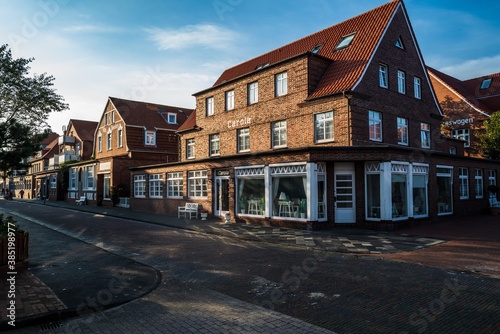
<point>317,48</point>
<point>345,41</point>
<point>172,118</point>
<point>262,66</point>
<point>399,43</point>
<point>486,83</point>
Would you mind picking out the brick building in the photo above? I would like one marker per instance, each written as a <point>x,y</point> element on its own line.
<point>129,134</point>
<point>466,105</point>
<point>339,127</point>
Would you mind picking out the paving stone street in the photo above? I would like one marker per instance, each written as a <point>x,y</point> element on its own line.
<point>205,277</point>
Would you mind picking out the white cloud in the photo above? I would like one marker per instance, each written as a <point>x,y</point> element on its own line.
<point>473,68</point>
<point>92,29</point>
<point>205,35</point>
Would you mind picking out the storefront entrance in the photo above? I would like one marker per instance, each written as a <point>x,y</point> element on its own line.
<point>345,208</point>
<point>221,195</point>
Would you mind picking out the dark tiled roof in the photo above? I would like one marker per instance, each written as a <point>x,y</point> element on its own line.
<point>84,129</point>
<point>149,115</point>
<point>348,63</point>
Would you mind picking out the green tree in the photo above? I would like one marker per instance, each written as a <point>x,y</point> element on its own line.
<point>26,102</point>
<point>490,141</point>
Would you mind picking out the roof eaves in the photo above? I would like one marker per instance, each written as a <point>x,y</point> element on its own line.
<point>258,70</point>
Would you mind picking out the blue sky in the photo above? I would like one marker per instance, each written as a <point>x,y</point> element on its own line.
<point>163,51</point>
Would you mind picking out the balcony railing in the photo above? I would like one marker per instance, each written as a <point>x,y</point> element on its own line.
<point>66,140</point>
<point>57,160</point>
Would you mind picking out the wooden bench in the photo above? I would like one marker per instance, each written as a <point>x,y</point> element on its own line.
<point>188,208</point>
<point>81,201</point>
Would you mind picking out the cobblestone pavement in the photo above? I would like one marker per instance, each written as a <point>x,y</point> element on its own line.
<point>344,240</point>
<point>348,292</point>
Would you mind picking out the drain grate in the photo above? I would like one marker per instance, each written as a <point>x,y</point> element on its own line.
<point>50,326</point>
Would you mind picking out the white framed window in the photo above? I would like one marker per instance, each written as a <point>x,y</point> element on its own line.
<point>229,100</point>
<point>375,125</point>
<point>150,138</point>
<point>425,135</point>
<point>323,127</point>
<point>197,181</point>
<point>214,144</point>
<point>463,176</point>
<point>106,189</point>
<point>417,88</point>
<point>244,140</point>
<point>345,41</point>
<point>99,142</point>
<point>209,105</point>
<point>109,140</point>
<point>253,92</point>
<point>402,131</point>
<point>281,84</point>
<point>279,134</point>
<point>401,82</point>
<point>492,180</point>
<point>73,178</point>
<point>444,176</point>
<point>461,134</point>
<point>89,178</point>
<point>478,183</point>
<point>175,185</point>
<point>172,118</point>
<point>383,76</point>
<point>190,148</point>
<point>140,186</point>
<point>120,138</point>
<point>156,186</point>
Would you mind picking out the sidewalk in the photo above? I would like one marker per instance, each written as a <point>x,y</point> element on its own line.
<point>345,240</point>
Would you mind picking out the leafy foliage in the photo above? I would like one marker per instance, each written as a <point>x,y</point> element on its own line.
<point>6,223</point>
<point>25,104</point>
<point>490,141</point>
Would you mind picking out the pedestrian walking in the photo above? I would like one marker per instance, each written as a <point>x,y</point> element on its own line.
<point>21,193</point>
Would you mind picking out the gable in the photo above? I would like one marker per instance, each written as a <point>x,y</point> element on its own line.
<point>407,59</point>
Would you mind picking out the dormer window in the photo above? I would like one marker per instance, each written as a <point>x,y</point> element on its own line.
<point>172,118</point>
<point>345,41</point>
<point>316,49</point>
<point>150,138</point>
<point>486,83</point>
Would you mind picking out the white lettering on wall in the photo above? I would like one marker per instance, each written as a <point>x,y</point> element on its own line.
<point>462,121</point>
<point>239,122</point>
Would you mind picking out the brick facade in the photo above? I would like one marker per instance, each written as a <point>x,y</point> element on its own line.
<point>339,174</point>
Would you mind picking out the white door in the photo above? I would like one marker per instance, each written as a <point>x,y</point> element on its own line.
<point>345,206</point>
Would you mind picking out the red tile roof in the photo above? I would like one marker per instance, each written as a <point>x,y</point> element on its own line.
<point>468,90</point>
<point>148,114</point>
<point>189,124</point>
<point>348,63</point>
<point>84,129</point>
<point>489,96</point>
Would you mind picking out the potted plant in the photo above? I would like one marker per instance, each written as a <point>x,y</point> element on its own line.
<point>203,214</point>
<point>243,202</point>
<point>303,208</point>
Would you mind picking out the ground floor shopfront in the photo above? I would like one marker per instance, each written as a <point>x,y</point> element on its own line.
<point>299,192</point>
